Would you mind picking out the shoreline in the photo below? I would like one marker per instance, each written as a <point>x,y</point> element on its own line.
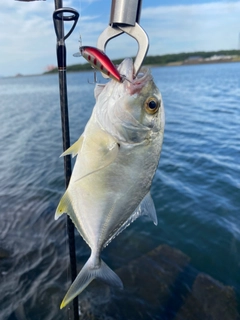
<point>184,63</point>
<point>170,64</point>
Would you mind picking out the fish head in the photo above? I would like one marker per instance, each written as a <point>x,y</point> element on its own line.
<point>132,110</point>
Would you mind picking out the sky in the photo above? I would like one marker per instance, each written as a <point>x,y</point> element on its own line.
<point>28,41</point>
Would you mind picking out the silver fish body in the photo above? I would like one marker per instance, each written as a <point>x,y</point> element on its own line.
<point>117,156</point>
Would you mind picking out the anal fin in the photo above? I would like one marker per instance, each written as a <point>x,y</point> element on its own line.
<point>145,208</point>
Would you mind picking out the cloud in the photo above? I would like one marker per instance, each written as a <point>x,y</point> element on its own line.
<point>28,40</point>
<point>208,26</point>
<point>26,32</point>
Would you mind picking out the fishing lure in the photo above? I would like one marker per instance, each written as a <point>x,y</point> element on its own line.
<point>100,61</point>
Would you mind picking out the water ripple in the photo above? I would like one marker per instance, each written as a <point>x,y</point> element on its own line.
<point>196,187</point>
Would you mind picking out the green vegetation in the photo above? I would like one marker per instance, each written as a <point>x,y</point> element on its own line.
<point>160,60</point>
<point>179,57</point>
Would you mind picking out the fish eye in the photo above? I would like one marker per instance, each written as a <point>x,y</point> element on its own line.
<point>152,105</point>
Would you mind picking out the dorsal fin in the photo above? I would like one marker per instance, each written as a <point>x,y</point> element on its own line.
<point>74,149</point>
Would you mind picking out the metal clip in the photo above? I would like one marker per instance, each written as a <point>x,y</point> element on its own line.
<point>125,15</point>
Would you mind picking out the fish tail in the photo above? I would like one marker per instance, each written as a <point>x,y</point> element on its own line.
<point>88,273</point>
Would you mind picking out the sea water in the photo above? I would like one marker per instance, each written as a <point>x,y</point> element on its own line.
<point>195,189</point>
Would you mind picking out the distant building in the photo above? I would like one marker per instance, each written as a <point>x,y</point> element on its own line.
<point>218,57</point>
<point>214,58</point>
<point>194,58</point>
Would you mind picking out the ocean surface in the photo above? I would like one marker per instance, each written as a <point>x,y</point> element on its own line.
<point>195,189</point>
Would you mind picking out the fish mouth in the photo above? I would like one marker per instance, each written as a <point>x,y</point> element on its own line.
<point>133,84</point>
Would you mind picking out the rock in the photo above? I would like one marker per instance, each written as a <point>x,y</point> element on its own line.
<point>152,275</point>
<point>147,286</point>
<point>160,285</point>
<point>209,300</point>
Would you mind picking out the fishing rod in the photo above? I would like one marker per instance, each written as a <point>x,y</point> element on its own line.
<point>59,16</point>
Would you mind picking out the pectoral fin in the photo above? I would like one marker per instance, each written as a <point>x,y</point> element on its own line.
<point>99,149</point>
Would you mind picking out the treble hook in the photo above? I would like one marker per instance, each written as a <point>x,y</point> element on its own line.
<point>94,78</point>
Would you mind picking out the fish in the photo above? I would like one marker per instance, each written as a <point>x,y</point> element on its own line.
<point>117,157</point>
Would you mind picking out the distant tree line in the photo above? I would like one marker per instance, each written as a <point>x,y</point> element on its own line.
<point>158,60</point>
<point>178,57</point>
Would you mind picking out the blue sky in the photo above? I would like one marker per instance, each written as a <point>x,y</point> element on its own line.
<point>28,40</point>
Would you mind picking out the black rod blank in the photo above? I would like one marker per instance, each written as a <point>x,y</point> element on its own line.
<point>58,18</point>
